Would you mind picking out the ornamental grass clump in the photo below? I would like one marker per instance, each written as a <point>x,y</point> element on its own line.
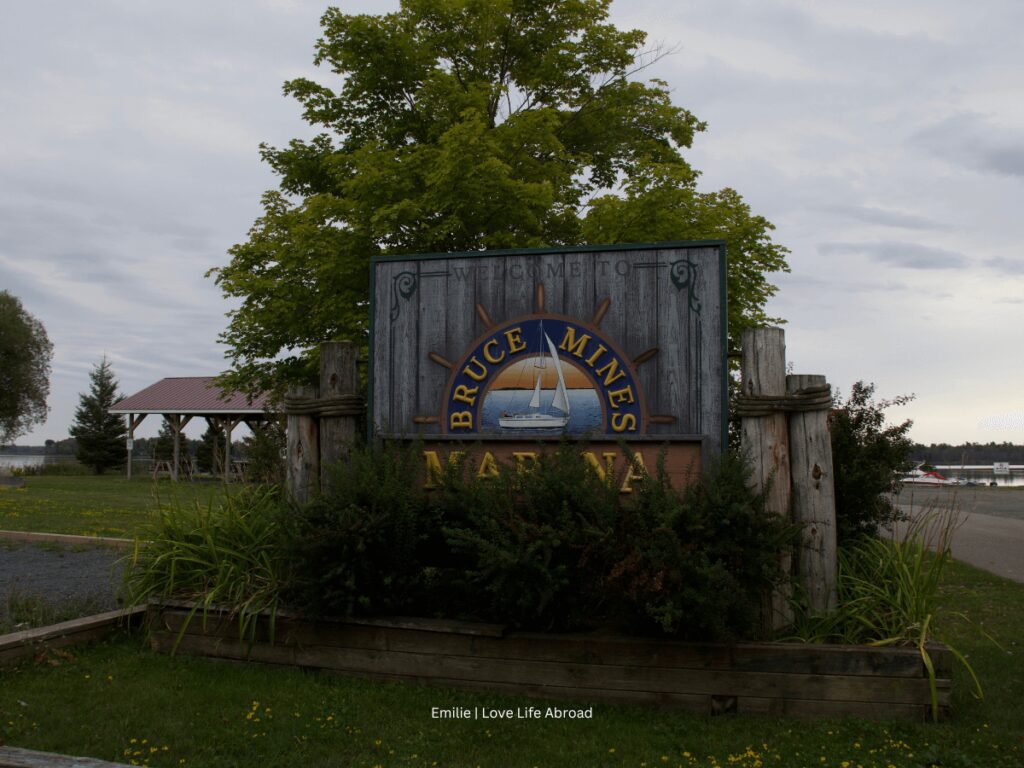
<point>227,554</point>
<point>888,592</point>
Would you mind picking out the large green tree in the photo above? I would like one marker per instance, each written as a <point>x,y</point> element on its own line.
<point>457,125</point>
<point>25,354</point>
<point>100,435</point>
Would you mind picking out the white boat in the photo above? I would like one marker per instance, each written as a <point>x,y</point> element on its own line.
<point>535,418</point>
<point>918,476</point>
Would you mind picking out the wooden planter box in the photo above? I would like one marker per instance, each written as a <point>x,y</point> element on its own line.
<point>761,678</point>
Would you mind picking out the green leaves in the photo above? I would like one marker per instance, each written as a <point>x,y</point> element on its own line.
<point>459,125</point>
<point>25,354</point>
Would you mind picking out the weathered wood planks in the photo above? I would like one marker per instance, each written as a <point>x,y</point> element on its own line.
<point>769,678</point>
<point>26,644</point>
<point>667,298</point>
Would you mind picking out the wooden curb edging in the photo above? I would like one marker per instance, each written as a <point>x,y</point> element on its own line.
<point>751,678</point>
<point>13,757</point>
<point>66,538</point>
<point>27,643</point>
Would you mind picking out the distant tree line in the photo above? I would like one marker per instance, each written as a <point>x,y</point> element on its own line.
<point>968,453</point>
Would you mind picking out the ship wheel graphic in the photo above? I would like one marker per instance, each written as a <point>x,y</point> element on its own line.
<point>558,349</point>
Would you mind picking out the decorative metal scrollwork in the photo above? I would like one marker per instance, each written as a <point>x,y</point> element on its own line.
<point>684,275</point>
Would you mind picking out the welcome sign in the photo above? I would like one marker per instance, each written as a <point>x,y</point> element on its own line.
<point>510,349</point>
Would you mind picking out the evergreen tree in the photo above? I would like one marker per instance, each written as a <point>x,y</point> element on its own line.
<point>210,450</point>
<point>99,434</point>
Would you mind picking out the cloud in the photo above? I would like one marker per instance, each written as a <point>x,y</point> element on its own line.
<point>905,255</point>
<point>973,141</point>
<point>1013,420</point>
<point>1006,266</point>
<point>883,217</point>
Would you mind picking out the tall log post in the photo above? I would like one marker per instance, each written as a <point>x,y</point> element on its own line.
<point>339,375</point>
<point>814,497</point>
<point>303,450</point>
<point>765,440</point>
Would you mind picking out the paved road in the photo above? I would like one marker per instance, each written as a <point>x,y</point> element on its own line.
<point>992,534</point>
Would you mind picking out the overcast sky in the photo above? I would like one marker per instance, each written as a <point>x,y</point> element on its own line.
<point>885,140</point>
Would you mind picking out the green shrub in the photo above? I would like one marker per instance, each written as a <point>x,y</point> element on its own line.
<point>868,459</point>
<point>228,554</point>
<point>548,546</point>
<point>360,549</point>
<point>531,544</point>
<point>697,565</point>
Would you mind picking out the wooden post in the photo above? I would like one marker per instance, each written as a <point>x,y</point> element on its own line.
<point>814,497</point>
<point>765,440</point>
<point>229,427</point>
<point>132,424</point>
<point>303,449</point>
<point>338,376</point>
<point>173,419</point>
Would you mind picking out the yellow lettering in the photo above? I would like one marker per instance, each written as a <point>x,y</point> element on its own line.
<point>635,471</point>
<point>607,472</point>
<point>490,358</point>
<point>466,394</point>
<point>615,374</point>
<point>434,471</point>
<point>488,466</point>
<point>479,375</point>
<point>619,396</point>
<point>623,422</point>
<point>601,349</point>
<point>461,420</point>
<point>515,340</point>
<point>570,343</point>
<point>522,457</point>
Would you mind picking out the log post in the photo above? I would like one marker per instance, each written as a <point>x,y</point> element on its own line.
<point>339,375</point>
<point>765,440</point>
<point>814,497</point>
<point>303,449</point>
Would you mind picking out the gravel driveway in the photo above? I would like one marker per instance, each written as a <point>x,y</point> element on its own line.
<point>64,577</point>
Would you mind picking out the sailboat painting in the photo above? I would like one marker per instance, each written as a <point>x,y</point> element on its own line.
<point>541,393</point>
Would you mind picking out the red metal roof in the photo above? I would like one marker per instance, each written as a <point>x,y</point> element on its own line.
<point>189,395</point>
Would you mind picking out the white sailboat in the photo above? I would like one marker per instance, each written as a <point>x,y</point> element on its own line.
<point>534,418</point>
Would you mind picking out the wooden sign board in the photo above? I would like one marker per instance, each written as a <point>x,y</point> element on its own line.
<point>621,342</point>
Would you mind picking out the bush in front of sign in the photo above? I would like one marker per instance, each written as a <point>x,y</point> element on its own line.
<point>696,565</point>
<point>530,543</point>
<point>358,550</point>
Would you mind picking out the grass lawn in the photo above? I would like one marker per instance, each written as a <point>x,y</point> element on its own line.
<point>90,505</point>
<point>118,701</point>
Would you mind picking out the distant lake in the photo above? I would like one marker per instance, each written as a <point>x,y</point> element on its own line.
<point>12,460</point>
<point>983,474</point>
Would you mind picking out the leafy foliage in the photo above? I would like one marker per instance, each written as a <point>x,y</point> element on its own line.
<point>360,549</point>
<point>461,125</point>
<point>868,458</point>
<point>531,545</point>
<point>210,451</point>
<point>888,592</point>
<point>698,565</point>
<point>550,545</point>
<point>225,554</point>
<point>99,435</point>
<point>265,450</point>
<point>25,354</point>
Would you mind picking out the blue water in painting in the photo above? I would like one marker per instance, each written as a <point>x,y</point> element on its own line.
<point>584,410</point>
